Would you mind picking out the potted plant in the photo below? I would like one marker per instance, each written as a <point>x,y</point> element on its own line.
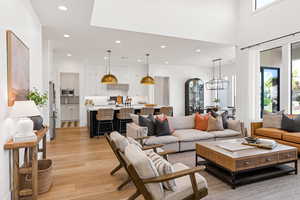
<point>40,99</point>
<point>216,101</point>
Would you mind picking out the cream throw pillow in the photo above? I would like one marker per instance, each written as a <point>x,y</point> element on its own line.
<point>215,124</point>
<point>163,167</point>
<point>272,120</point>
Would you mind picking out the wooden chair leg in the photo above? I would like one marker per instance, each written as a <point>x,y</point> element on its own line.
<point>123,184</point>
<point>134,196</point>
<point>116,169</point>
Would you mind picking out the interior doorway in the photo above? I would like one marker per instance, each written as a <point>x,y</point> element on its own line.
<point>162,91</point>
<point>69,100</point>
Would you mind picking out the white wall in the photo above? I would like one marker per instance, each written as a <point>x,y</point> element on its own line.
<point>206,20</point>
<point>89,80</point>
<point>276,20</point>
<point>178,76</point>
<point>18,16</point>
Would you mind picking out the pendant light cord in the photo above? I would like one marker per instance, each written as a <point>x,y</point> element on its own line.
<point>147,62</point>
<point>108,52</point>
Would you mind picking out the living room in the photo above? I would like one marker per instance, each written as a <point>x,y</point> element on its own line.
<point>94,67</point>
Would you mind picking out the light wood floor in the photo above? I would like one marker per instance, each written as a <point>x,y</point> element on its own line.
<point>81,168</point>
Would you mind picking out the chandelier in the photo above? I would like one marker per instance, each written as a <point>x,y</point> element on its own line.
<point>217,82</point>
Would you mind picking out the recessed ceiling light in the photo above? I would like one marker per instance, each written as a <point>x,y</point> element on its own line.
<point>69,55</point>
<point>163,46</point>
<point>66,36</point>
<point>198,50</point>
<point>166,62</point>
<point>117,41</point>
<point>62,7</point>
<point>139,60</point>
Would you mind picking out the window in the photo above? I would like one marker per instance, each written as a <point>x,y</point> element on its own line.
<point>295,79</point>
<point>262,3</point>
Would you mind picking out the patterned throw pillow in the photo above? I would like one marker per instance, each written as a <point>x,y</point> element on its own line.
<point>201,121</point>
<point>148,122</point>
<point>163,167</point>
<point>272,120</point>
<point>215,124</point>
<point>165,117</point>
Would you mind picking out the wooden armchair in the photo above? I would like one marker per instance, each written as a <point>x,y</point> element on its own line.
<point>122,163</point>
<point>190,185</point>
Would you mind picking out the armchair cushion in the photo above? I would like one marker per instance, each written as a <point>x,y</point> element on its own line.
<point>145,169</point>
<point>133,141</point>
<point>120,141</point>
<point>184,185</point>
<point>163,167</point>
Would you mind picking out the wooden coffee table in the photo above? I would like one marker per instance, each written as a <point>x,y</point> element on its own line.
<point>248,165</point>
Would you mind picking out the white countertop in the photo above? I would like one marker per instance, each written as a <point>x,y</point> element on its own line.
<point>136,107</point>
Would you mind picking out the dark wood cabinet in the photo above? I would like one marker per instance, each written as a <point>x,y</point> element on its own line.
<point>194,96</point>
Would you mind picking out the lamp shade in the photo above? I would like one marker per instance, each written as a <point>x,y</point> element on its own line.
<point>109,79</point>
<point>24,109</point>
<point>148,80</point>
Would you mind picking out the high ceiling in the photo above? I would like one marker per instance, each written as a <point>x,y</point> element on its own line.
<point>89,43</point>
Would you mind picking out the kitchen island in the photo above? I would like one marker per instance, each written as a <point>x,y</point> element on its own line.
<point>92,112</point>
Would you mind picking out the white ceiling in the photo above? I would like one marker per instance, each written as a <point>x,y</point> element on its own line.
<point>89,43</point>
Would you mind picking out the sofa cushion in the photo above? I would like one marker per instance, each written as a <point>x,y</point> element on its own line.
<point>184,185</point>
<point>291,137</point>
<point>188,135</point>
<point>225,133</point>
<point>161,140</point>
<point>182,122</point>
<point>145,169</point>
<point>270,132</point>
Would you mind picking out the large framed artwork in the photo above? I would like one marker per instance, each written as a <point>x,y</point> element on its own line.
<point>18,69</point>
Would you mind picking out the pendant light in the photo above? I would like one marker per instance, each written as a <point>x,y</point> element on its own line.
<point>109,78</point>
<point>217,83</point>
<point>147,80</point>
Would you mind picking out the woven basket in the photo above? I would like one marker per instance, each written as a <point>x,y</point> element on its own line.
<point>44,175</point>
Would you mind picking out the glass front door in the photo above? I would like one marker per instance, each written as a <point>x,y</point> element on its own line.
<point>270,100</point>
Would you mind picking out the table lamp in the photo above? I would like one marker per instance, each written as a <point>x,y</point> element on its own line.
<point>21,111</point>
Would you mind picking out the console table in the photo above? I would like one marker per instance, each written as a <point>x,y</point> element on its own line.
<point>30,165</point>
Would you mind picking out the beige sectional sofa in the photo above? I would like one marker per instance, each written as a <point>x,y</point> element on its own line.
<point>185,135</point>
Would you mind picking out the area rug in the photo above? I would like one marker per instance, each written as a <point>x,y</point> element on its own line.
<point>281,188</point>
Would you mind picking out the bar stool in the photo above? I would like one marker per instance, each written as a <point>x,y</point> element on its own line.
<point>105,118</point>
<point>166,110</point>
<point>123,117</point>
<point>147,111</point>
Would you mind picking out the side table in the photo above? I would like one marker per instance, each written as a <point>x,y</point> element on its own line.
<point>30,166</point>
